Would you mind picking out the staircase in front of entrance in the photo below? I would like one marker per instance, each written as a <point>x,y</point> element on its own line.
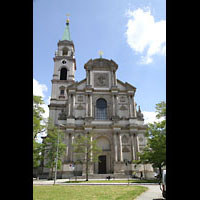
<point>103,176</point>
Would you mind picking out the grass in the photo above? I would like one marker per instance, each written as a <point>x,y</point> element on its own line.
<point>114,181</point>
<point>83,192</point>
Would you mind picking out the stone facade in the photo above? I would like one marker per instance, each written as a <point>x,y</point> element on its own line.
<point>118,129</point>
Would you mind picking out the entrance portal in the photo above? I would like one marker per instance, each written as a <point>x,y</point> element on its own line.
<point>102,165</point>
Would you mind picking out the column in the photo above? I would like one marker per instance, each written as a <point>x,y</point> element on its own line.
<point>112,80</point>
<point>71,109</point>
<point>133,148</point>
<point>72,140</point>
<point>134,110</point>
<point>69,106</point>
<point>86,102</point>
<point>115,145</point>
<point>90,105</point>
<point>70,147</point>
<point>115,79</point>
<point>116,105</point>
<point>91,148</point>
<point>73,105</point>
<point>113,102</point>
<point>136,145</point>
<point>67,148</point>
<point>120,148</point>
<point>131,108</point>
<point>87,77</point>
<point>89,81</point>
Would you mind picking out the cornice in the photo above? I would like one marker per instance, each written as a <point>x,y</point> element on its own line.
<point>65,42</point>
<point>64,57</point>
<point>62,81</point>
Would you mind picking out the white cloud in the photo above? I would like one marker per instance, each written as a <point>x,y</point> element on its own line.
<point>150,117</point>
<point>39,90</point>
<point>144,35</point>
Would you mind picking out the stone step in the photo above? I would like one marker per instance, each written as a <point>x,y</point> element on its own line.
<point>103,176</point>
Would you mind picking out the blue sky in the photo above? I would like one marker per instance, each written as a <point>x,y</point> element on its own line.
<point>132,33</point>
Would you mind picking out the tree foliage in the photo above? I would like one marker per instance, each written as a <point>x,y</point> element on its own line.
<point>52,141</point>
<point>37,115</point>
<point>86,149</point>
<point>161,109</point>
<point>37,154</point>
<point>37,128</point>
<point>155,151</point>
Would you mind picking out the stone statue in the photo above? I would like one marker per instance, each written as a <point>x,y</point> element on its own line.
<point>140,116</point>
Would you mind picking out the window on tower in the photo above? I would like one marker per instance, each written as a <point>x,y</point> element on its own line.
<point>65,51</point>
<point>62,92</point>
<point>63,74</point>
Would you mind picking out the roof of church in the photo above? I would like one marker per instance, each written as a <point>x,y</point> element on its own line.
<point>101,62</point>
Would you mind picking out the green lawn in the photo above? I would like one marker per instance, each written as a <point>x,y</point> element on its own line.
<point>83,192</point>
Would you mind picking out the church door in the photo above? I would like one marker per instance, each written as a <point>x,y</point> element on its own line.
<point>102,164</point>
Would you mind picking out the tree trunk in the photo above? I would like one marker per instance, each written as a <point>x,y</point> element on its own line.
<point>87,167</point>
<point>51,174</point>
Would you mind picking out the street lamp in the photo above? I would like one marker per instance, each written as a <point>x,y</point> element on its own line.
<point>57,154</point>
<point>126,161</point>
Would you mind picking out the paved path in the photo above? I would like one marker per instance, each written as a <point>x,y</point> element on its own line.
<point>153,193</point>
<point>63,182</point>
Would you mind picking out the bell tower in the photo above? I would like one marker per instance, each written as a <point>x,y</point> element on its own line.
<point>64,71</point>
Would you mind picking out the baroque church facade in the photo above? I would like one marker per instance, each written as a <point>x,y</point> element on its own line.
<point>101,104</point>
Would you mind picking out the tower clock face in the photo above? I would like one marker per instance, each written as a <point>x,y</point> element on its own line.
<point>64,61</point>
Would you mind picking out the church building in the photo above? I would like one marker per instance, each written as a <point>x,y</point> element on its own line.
<point>101,104</point>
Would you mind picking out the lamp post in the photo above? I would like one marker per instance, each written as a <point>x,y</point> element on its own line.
<point>126,161</point>
<point>57,155</point>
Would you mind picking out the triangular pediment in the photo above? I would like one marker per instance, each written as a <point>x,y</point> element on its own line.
<point>124,86</point>
<point>81,85</point>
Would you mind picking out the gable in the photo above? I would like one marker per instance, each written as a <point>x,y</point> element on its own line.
<point>121,85</point>
<point>78,85</point>
<point>81,85</point>
<point>125,86</point>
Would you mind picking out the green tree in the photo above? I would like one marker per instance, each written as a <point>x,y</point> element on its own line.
<point>87,150</point>
<point>38,127</point>
<point>155,151</point>
<point>52,141</point>
<point>37,155</point>
<point>37,115</point>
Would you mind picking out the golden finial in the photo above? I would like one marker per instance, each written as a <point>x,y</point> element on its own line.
<point>100,53</point>
<point>67,18</point>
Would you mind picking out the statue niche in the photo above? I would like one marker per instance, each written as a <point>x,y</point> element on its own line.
<point>62,115</point>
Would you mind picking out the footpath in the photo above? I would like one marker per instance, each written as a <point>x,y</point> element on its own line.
<point>63,182</point>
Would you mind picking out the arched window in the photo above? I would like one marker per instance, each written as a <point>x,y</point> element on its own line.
<point>124,139</point>
<point>101,109</point>
<point>63,74</point>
